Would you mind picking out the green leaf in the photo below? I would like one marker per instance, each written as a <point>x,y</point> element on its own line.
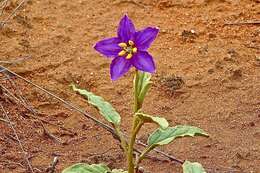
<point>85,168</point>
<point>189,167</point>
<point>163,137</point>
<point>162,122</point>
<point>105,108</point>
<point>118,171</point>
<point>143,85</point>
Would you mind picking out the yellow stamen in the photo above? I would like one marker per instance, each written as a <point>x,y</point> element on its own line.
<point>122,53</point>
<point>134,50</point>
<point>131,43</point>
<point>129,56</point>
<point>123,45</point>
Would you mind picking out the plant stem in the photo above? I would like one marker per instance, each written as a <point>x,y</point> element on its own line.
<point>136,92</point>
<point>137,124</point>
<point>142,155</point>
<point>123,142</point>
<point>135,129</point>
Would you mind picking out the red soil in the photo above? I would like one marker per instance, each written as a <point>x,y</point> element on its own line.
<point>210,79</point>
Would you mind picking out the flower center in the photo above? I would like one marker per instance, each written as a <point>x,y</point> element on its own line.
<point>128,49</point>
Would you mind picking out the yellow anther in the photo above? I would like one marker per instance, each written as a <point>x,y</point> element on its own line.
<point>122,53</point>
<point>129,56</point>
<point>134,50</point>
<point>123,45</point>
<point>131,43</point>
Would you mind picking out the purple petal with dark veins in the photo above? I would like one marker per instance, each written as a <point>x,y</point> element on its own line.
<point>119,67</point>
<point>126,29</point>
<point>144,38</point>
<point>143,61</point>
<point>108,47</point>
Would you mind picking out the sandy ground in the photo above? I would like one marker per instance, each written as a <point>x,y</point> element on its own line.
<point>208,78</point>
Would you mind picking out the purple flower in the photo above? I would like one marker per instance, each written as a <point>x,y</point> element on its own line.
<point>129,48</point>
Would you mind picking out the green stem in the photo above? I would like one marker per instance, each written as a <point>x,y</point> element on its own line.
<point>142,155</point>
<point>135,129</point>
<point>123,142</point>
<point>136,92</point>
<point>137,124</point>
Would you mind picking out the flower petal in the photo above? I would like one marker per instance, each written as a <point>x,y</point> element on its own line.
<point>108,47</point>
<point>144,38</point>
<point>126,29</point>
<point>119,67</point>
<point>143,61</point>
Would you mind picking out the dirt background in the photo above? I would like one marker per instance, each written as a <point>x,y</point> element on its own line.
<point>207,75</point>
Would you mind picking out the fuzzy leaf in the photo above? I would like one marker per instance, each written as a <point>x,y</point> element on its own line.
<point>85,168</point>
<point>105,108</point>
<point>162,122</point>
<point>163,137</point>
<point>118,171</point>
<point>143,85</point>
<point>189,167</point>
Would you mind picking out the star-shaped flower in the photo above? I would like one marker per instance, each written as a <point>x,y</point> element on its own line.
<point>129,48</point>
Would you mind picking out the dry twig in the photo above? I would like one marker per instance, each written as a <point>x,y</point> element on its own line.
<point>4,120</point>
<point>8,162</point>
<point>13,13</point>
<point>11,96</point>
<point>52,167</point>
<point>10,137</point>
<point>101,124</point>
<point>25,103</point>
<point>2,6</point>
<point>50,135</point>
<point>17,137</point>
